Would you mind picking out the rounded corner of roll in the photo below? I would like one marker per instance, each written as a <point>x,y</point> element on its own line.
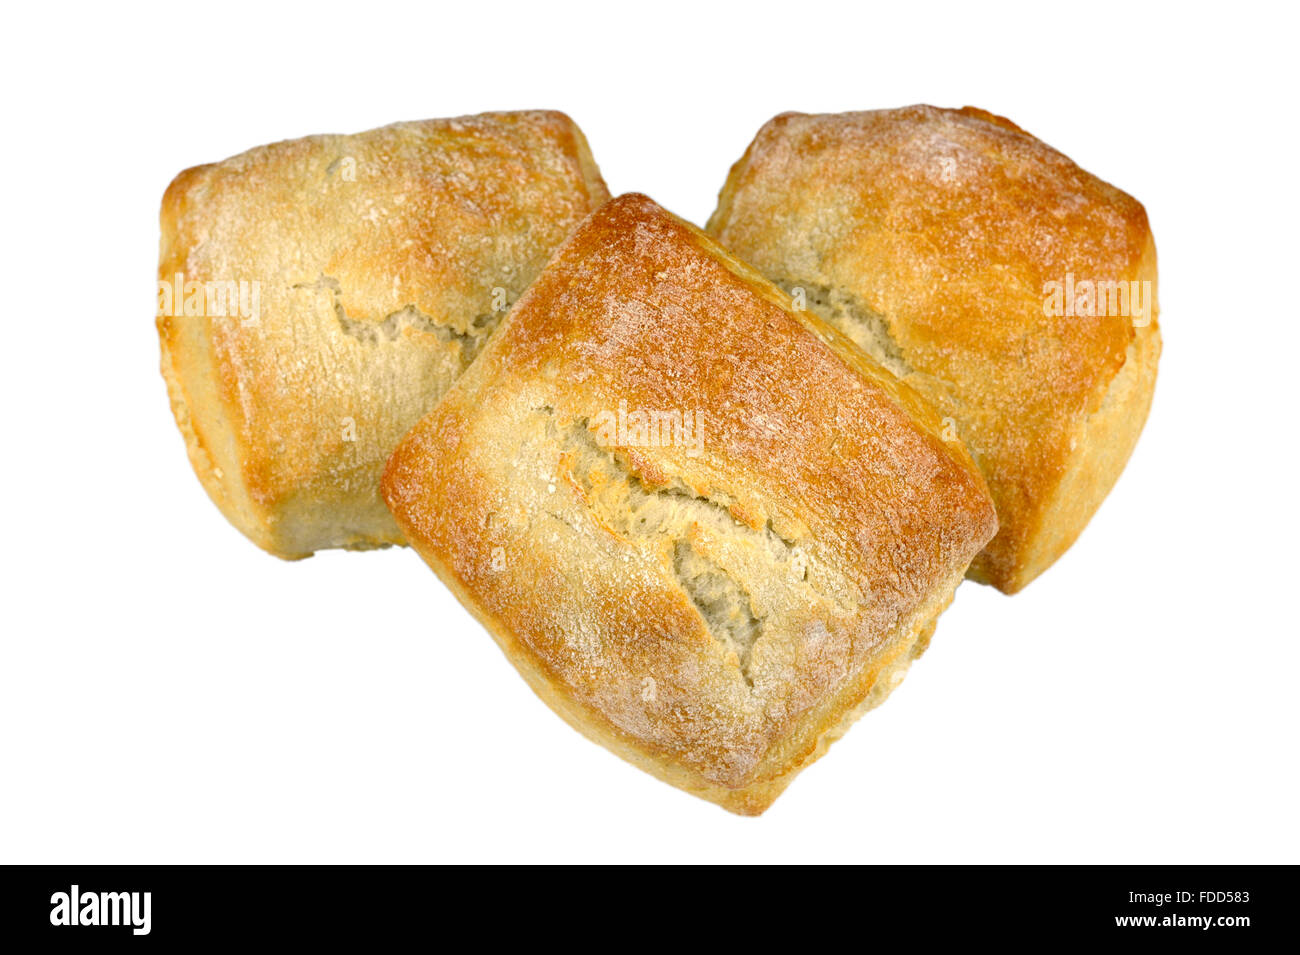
<point>178,189</point>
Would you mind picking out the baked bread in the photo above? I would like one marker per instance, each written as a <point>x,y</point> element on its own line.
<point>707,531</point>
<point>968,258</point>
<point>316,297</point>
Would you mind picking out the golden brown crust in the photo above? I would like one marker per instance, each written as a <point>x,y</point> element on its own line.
<point>929,236</point>
<point>382,262</point>
<point>716,607</point>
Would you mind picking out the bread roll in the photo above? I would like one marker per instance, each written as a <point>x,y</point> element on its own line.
<point>1012,289</point>
<point>316,297</point>
<point>707,531</point>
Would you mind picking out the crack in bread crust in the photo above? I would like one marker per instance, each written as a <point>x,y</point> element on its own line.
<point>623,502</point>
<point>722,602</point>
<point>390,326</point>
<point>865,327</point>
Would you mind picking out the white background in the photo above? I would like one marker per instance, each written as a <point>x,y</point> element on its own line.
<point>170,693</point>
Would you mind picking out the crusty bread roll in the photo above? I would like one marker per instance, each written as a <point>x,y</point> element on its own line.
<point>969,258</point>
<point>707,530</point>
<point>316,297</point>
